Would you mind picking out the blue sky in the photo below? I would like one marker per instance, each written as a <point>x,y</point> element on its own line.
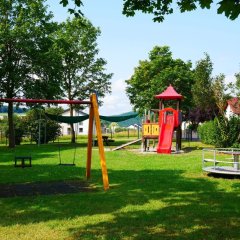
<point>124,41</point>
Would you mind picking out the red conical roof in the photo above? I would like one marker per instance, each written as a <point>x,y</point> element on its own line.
<point>169,94</point>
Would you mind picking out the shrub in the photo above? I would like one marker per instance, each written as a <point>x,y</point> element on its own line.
<point>207,132</point>
<point>48,127</point>
<point>120,129</point>
<point>221,132</point>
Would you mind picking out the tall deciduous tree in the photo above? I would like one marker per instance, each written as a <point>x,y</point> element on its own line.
<point>202,87</point>
<point>21,25</point>
<point>161,8</point>
<point>203,98</point>
<point>82,70</point>
<point>153,76</point>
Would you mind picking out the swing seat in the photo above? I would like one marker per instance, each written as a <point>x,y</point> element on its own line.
<point>22,160</point>
<point>67,164</point>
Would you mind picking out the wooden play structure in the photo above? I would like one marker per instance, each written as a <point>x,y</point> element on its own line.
<point>93,117</point>
<point>165,122</point>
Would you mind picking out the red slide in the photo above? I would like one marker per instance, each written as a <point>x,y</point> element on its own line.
<point>166,133</point>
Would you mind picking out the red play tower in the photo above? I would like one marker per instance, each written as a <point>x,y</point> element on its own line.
<point>169,120</point>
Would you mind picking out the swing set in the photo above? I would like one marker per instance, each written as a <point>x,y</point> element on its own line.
<point>93,115</point>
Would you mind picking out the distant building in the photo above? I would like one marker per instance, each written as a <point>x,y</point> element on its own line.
<point>80,128</point>
<point>233,107</point>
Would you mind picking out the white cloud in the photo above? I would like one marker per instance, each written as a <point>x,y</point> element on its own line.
<point>117,102</point>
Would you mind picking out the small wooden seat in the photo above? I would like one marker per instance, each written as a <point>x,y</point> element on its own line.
<point>22,160</point>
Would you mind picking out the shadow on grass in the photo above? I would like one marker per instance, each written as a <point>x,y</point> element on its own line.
<point>146,204</point>
<point>44,151</point>
<point>190,149</point>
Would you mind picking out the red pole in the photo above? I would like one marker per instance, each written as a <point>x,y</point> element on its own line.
<point>44,101</point>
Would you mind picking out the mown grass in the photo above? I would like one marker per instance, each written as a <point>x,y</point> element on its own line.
<point>151,197</point>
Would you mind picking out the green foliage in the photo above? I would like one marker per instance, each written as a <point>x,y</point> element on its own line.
<point>209,93</point>
<point>207,132</point>
<point>227,131</point>
<point>82,71</point>
<point>19,128</point>
<point>202,87</point>
<point>24,27</point>
<point>221,132</point>
<point>153,76</point>
<point>219,89</point>
<point>160,8</point>
<point>49,130</point>
<point>75,11</point>
<point>120,129</point>
<point>237,75</point>
<point>3,125</point>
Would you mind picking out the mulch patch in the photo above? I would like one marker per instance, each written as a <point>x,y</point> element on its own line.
<point>44,188</point>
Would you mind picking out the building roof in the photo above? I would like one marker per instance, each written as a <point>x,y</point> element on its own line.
<point>169,94</point>
<point>234,104</point>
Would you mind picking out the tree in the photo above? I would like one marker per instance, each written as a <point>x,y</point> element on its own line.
<point>160,8</point>
<point>82,72</point>
<point>113,127</point>
<point>21,26</point>
<point>202,87</point>
<point>153,76</point>
<point>46,66</point>
<point>203,98</point>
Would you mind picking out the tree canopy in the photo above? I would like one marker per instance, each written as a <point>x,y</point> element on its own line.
<point>40,58</point>
<point>22,34</point>
<point>161,8</point>
<point>153,76</point>
<point>204,105</point>
<point>82,71</point>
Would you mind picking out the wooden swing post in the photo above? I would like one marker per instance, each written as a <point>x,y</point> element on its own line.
<point>94,114</point>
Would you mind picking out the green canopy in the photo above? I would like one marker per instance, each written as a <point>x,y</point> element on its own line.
<point>118,118</point>
<point>76,119</point>
<point>66,119</point>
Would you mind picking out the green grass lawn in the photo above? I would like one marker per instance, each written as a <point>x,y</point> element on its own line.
<point>150,197</point>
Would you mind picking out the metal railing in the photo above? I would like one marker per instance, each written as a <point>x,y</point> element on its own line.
<point>224,158</point>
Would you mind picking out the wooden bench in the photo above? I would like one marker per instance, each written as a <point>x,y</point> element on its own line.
<point>23,160</point>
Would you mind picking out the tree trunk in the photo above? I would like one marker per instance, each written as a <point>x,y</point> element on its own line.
<point>73,140</point>
<point>11,135</point>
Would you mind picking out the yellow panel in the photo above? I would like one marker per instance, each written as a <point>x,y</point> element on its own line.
<point>146,129</point>
<point>155,129</point>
